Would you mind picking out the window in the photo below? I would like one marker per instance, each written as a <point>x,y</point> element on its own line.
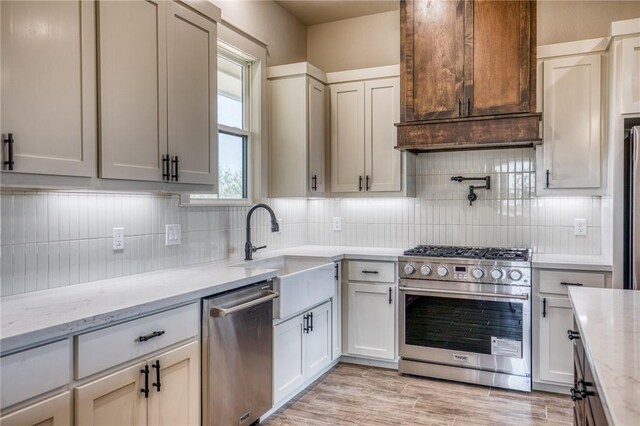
<point>233,128</point>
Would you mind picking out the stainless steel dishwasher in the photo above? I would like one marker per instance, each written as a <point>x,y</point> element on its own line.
<point>237,352</point>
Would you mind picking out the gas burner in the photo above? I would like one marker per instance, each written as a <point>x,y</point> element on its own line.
<point>507,254</point>
<point>469,252</point>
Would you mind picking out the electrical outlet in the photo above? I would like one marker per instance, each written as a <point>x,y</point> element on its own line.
<point>118,238</point>
<point>173,235</point>
<point>580,227</point>
<point>337,224</point>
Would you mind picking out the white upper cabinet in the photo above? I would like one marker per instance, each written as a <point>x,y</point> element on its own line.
<point>297,118</point>
<point>347,137</point>
<point>363,136</point>
<point>192,90</point>
<point>381,112</point>
<point>631,75</point>
<point>157,92</point>
<point>572,115</point>
<point>48,100</point>
<point>133,88</point>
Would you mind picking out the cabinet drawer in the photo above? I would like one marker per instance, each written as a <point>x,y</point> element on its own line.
<point>382,272</point>
<point>35,371</point>
<point>558,281</point>
<point>101,349</point>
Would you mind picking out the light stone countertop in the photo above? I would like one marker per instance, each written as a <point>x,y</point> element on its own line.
<point>609,325</point>
<point>574,262</point>
<point>32,318</point>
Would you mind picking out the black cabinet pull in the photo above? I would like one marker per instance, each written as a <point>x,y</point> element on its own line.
<point>548,173</point>
<point>314,182</point>
<point>359,183</point>
<point>174,169</point>
<point>165,168</point>
<point>9,141</point>
<point>305,326</point>
<point>157,367</point>
<point>573,335</point>
<point>390,292</point>
<point>150,336</point>
<point>544,307</point>
<point>459,107</point>
<point>573,284</point>
<point>145,389</point>
<point>370,272</point>
<point>468,106</point>
<point>366,185</point>
<point>336,271</point>
<point>311,321</point>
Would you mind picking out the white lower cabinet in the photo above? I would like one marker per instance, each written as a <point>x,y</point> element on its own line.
<point>172,380</point>
<point>54,411</point>
<point>302,348</point>
<point>556,350</point>
<point>371,320</point>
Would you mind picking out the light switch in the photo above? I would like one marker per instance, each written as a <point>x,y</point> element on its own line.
<point>173,235</point>
<point>118,238</point>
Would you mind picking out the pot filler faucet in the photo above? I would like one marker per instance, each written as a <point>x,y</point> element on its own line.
<point>249,249</point>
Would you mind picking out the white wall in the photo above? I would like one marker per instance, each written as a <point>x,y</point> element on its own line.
<point>51,239</point>
<point>508,215</point>
<point>265,20</point>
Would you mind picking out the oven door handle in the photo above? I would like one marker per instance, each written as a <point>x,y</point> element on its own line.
<point>467,293</point>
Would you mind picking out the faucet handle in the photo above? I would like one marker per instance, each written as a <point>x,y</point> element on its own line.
<point>255,249</point>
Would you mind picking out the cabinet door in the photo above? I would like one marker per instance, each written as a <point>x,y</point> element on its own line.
<point>54,411</point>
<point>48,100</point>
<point>371,320</point>
<point>572,121</point>
<point>192,92</point>
<point>631,75</point>
<point>113,400</point>
<point>318,346</point>
<point>381,112</point>
<point>177,401</point>
<point>432,58</point>
<point>133,88</point>
<point>497,60</point>
<point>347,137</point>
<point>288,357</point>
<point>556,350</point>
<point>316,137</point>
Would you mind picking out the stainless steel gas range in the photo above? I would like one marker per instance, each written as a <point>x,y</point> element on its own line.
<point>465,315</point>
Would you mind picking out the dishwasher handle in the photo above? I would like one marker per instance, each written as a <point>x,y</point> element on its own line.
<point>223,312</point>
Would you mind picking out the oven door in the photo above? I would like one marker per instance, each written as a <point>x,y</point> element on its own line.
<point>469,325</point>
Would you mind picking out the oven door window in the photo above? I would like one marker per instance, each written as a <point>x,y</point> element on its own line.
<point>477,326</point>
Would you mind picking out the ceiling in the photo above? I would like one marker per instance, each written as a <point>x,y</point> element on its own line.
<point>311,12</point>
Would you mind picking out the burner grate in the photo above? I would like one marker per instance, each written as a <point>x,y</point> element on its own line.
<point>469,252</point>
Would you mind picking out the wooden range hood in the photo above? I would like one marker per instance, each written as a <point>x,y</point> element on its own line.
<point>468,75</point>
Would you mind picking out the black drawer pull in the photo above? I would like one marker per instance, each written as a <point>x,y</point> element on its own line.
<point>573,334</point>
<point>310,321</point>
<point>370,272</point>
<point>157,367</point>
<point>305,326</point>
<point>544,307</point>
<point>390,293</point>
<point>573,284</point>
<point>165,168</point>
<point>145,389</point>
<point>9,162</point>
<point>314,182</point>
<point>359,183</point>
<point>174,170</point>
<point>150,336</point>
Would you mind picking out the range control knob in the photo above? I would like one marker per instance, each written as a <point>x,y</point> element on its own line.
<point>442,271</point>
<point>515,275</point>
<point>425,270</point>
<point>496,274</point>
<point>477,273</point>
<point>409,269</point>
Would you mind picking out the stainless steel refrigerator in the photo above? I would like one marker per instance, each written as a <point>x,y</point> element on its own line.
<point>632,209</point>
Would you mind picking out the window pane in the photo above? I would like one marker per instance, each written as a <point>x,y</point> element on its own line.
<point>230,93</point>
<point>231,151</point>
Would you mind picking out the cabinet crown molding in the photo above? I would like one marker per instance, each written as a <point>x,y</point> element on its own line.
<point>593,45</point>
<point>626,27</point>
<point>298,68</point>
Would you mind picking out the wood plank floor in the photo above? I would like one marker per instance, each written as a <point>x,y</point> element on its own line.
<point>356,395</point>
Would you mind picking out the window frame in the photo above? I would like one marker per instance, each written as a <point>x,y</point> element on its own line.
<point>243,47</point>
